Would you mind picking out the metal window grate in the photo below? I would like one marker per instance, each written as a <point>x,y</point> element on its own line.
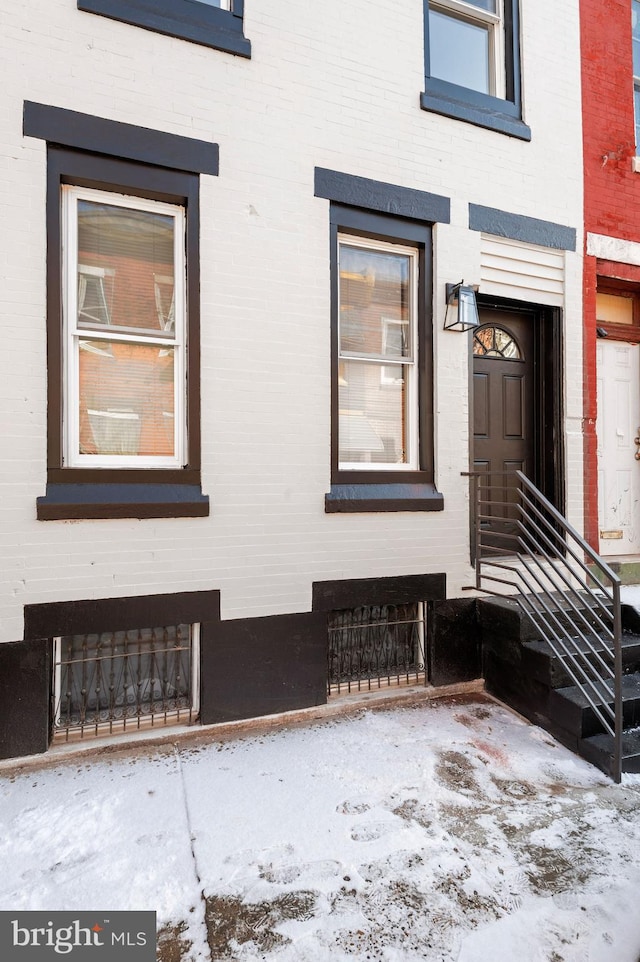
<point>123,680</point>
<point>375,646</point>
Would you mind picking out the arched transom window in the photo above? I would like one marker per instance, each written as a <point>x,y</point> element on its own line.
<point>492,341</point>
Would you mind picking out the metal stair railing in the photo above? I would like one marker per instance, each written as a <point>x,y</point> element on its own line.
<point>525,549</point>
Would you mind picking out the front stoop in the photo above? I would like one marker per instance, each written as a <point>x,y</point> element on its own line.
<point>522,671</point>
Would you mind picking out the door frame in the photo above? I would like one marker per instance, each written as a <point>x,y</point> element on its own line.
<point>548,400</point>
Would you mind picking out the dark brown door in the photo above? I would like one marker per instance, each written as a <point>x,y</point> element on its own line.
<point>503,415</point>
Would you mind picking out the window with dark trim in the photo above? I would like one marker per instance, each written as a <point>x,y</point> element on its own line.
<point>472,63</point>
<point>382,409</point>
<point>212,23</point>
<point>122,339</point>
<point>618,309</point>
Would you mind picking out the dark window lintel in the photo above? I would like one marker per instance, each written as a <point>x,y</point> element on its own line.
<point>377,196</point>
<point>529,230</point>
<point>69,128</point>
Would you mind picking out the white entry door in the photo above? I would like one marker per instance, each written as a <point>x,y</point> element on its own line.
<point>617,427</point>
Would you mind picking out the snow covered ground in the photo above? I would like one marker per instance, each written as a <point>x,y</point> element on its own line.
<point>452,832</point>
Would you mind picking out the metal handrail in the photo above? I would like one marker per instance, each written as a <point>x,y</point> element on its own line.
<point>566,590</point>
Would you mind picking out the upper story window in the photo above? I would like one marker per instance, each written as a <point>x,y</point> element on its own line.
<point>212,23</point>
<point>466,44</point>
<point>472,63</point>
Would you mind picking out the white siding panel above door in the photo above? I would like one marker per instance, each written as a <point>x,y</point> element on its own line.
<point>521,271</point>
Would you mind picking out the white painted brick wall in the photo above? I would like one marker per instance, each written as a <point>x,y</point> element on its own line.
<point>334,85</point>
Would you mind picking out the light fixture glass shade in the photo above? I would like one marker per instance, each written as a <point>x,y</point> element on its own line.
<point>462,308</point>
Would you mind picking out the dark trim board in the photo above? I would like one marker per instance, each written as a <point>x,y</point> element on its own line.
<point>504,116</point>
<point>86,501</point>
<point>439,98</point>
<point>374,195</point>
<point>397,589</point>
<point>184,19</point>
<point>57,618</point>
<point>405,490</point>
<point>263,666</point>
<point>156,494</point>
<point>530,230</point>
<point>25,678</point>
<point>68,128</point>
<point>350,498</point>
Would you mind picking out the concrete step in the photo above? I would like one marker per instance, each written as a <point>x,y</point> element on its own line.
<point>542,664</point>
<point>507,618</point>
<point>598,749</point>
<point>570,708</point>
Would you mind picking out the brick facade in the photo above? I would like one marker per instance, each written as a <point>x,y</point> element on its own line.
<point>338,89</point>
<point>611,188</point>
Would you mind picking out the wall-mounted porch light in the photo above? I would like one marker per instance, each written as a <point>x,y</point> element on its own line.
<point>462,309</point>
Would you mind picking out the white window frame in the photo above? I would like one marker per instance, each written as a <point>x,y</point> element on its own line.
<point>460,10</point>
<point>73,332</point>
<point>221,4</point>
<point>410,363</point>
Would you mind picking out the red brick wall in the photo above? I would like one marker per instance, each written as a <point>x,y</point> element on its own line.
<point>611,186</point>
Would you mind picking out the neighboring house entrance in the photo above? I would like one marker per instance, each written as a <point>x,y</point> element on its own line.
<point>618,430</point>
<point>517,421</point>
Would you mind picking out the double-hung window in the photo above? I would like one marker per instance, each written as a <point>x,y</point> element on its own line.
<point>124,331</point>
<point>123,354</point>
<point>378,333</point>
<point>466,44</point>
<point>472,62</point>
<point>382,380</point>
<point>123,317</point>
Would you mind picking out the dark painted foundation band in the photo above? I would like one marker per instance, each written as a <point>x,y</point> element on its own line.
<point>249,667</point>
<point>25,678</point>
<point>529,230</point>
<point>375,195</point>
<point>68,128</point>
<point>263,666</point>
<point>119,614</point>
<point>397,590</point>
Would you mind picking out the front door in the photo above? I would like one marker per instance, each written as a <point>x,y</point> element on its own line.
<point>618,426</point>
<point>503,411</point>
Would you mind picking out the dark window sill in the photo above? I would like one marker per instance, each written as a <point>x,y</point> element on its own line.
<point>395,496</point>
<point>75,502</point>
<point>447,99</point>
<point>184,19</point>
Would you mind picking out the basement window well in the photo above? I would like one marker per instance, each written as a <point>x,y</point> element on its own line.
<point>120,681</point>
<point>376,646</point>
